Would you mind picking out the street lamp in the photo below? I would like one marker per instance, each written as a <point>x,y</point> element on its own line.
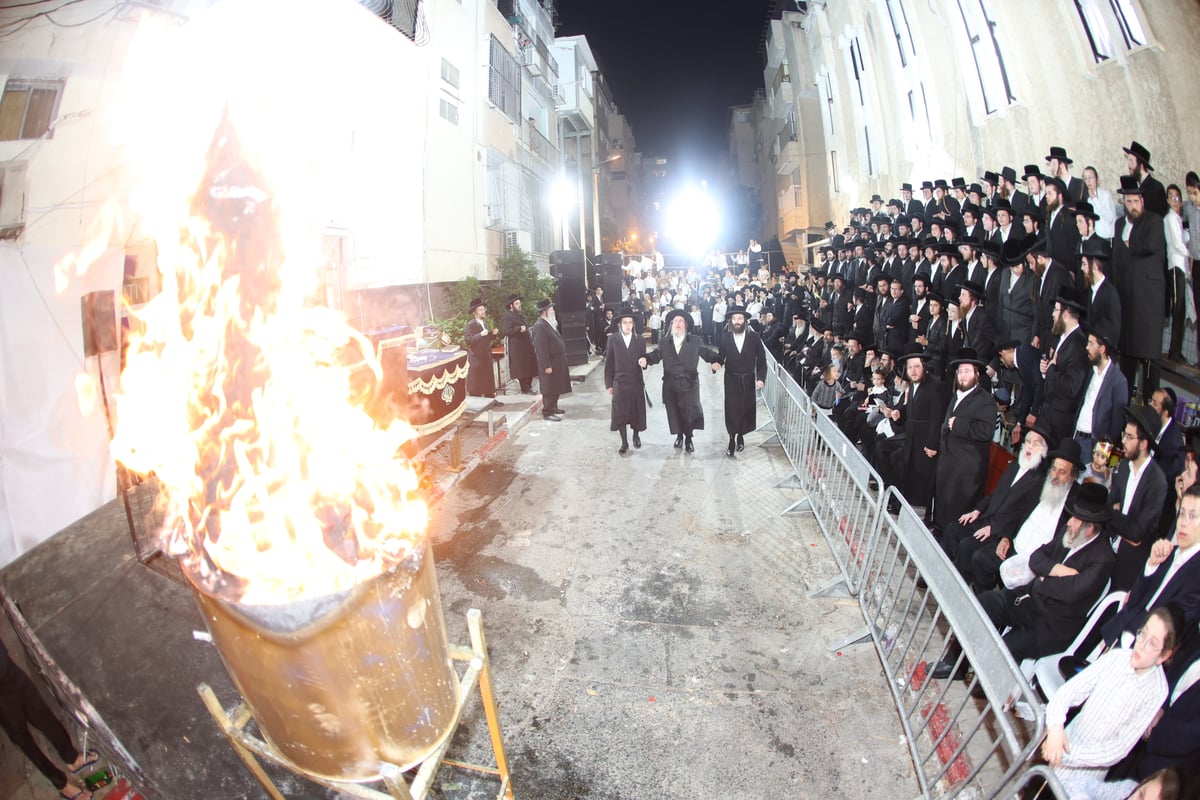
<point>596,201</point>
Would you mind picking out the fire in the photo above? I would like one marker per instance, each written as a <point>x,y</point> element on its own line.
<point>242,398</point>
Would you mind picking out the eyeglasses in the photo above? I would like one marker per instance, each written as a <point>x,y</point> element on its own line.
<point>1190,516</point>
<point>1146,643</point>
<point>1127,436</point>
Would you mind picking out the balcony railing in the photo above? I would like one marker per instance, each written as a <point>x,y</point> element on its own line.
<point>539,145</point>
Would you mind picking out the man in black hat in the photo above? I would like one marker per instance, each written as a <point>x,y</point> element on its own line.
<point>1018,201</point>
<point>1060,168</point>
<point>522,363</point>
<point>911,204</point>
<point>1137,163</point>
<point>966,437</point>
<point>1070,572</point>
<point>1017,311</point>
<point>897,328</point>
<point>920,413</point>
<point>979,331</point>
<point>928,205</point>
<point>1033,184</point>
<point>1064,367</point>
<point>991,182</point>
<point>680,353</point>
<point>481,381</point>
<point>1104,301</point>
<point>971,227</point>
<point>554,379</point>
<point>999,515</point>
<point>1137,495</point>
<point>1052,278</point>
<point>1062,234</point>
<point>861,316</point>
<point>623,364</point>
<point>745,361</point>
<point>1139,267</point>
<point>1105,395</point>
<point>1004,227</point>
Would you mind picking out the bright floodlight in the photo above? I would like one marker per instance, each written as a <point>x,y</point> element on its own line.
<point>693,220</point>
<point>562,193</point>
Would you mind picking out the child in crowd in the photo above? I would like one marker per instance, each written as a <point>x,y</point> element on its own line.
<point>828,390</point>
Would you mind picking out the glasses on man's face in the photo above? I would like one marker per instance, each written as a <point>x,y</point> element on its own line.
<point>1190,515</point>
<point>1128,437</point>
<point>1147,642</point>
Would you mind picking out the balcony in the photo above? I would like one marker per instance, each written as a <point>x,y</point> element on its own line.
<point>793,221</point>
<point>787,151</point>
<point>539,145</point>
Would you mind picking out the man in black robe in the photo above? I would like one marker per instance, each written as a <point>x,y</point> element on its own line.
<point>680,353</point>
<point>522,363</point>
<point>623,364</point>
<point>554,379</point>
<point>967,434</point>
<point>481,382</point>
<point>745,360</point>
<point>921,414</point>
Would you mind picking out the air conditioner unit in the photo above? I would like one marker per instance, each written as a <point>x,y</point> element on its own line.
<point>12,198</point>
<point>515,239</point>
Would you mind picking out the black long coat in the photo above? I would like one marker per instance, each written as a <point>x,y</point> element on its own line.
<point>481,380</point>
<point>742,369</point>
<point>1139,270</point>
<point>623,375</point>
<point>963,456</point>
<point>522,363</point>
<point>1067,377</point>
<point>681,381</point>
<point>1017,306</point>
<point>1104,310</point>
<point>922,419</point>
<point>551,353</point>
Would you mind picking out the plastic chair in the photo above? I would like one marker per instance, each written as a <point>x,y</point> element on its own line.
<point>1045,669</point>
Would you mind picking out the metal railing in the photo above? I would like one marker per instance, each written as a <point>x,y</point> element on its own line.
<point>963,736</point>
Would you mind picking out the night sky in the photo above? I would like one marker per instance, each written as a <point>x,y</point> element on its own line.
<point>674,68</point>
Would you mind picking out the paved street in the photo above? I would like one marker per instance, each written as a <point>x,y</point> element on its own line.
<point>649,621</point>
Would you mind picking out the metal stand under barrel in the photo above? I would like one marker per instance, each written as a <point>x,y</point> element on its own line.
<point>247,746</point>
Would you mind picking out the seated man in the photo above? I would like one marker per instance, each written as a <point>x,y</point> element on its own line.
<point>1009,559</point>
<point>1070,573</point>
<point>999,514</point>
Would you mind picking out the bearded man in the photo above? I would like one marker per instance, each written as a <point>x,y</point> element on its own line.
<point>554,379</point>
<point>967,433</point>
<point>745,360</point>
<point>680,353</point>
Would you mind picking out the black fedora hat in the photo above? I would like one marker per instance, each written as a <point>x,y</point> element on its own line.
<point>1059,184</point>
<point>624,312</point>
<point>1073,299</point>
<point>1002,204</point>
<point>734,310</point>
<point>976,188</point>
<point>936,297</point>
<point>829,225</point>
<point>990,177</point>
<point>970,208</point>
<point>988,248</point>
<point>1129,185</point>
<point>974,289</point>
<point>1033,212</point>
<point>476,303</point>
<point>512,298</point>
<point>967,355</point>
<point>912,350</point>
<point>1090,503</point>
<point>1083,209</point>
<point>1013,251</point>
<point>941,183</point>
<point>906,187</point>
<point>1103,336</point>
<point>1061,154</point>
<point>1008,344</point>
<point>1009,174</point>
<point>896,203</point>
<point>672,314</point>
<point>1042,429</point>
<point>1145,418</point>
<point>1139,151</point>
<point>958,183</point>
<point>1031,171</point>
<point>542,305</point>
<point>927,185</point>
<point>1068,450</point>
<point>876,198</point>
<point>1096,247</point>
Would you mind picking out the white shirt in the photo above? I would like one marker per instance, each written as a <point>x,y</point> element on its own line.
<point>739,338</point>
<point>1096,286</point>
<point>1038,528</point>
<point>626,338</point>
<point>1135,477</point>
<point>1084,421</point>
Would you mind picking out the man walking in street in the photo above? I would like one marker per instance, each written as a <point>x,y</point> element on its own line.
<point>680,353</point>
<point>553,377</point>
<point>745,360</point>
<point>522,364</point>
<point>623,364</point>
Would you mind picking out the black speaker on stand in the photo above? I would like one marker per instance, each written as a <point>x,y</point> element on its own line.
<point>570,303</point>
<point>612,274</point>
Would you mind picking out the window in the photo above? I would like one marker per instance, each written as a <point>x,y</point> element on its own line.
<point>985,50</point>
<point>741,116</point>
<point>833,171</point>
<point>504,81</point>
<point>900,28</point>
<point>447,110</point>
<point>28,108</point>
<point>449,73</point>
<point>1101,17</point>
<point>858,69</point>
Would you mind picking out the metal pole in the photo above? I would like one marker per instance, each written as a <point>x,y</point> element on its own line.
<point>596,209</point>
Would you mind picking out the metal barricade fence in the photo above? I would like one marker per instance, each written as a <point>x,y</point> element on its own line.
<point>962,745</point>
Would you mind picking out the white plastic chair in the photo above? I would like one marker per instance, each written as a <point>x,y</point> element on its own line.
<point>1045,669</point>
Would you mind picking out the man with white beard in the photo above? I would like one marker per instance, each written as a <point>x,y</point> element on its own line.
<point>999,515</point>
<point>1009,560</point>
<point>680,353</point>
<point>1070,572</point>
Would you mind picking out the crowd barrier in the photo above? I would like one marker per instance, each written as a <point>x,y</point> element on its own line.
<point>916,607</point>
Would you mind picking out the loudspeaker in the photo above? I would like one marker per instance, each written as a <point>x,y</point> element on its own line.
<point>611,275</point>
<point>574,332</point>
<point>567,267</point>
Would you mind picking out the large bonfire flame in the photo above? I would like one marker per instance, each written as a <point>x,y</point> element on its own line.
<point>241,398</point>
